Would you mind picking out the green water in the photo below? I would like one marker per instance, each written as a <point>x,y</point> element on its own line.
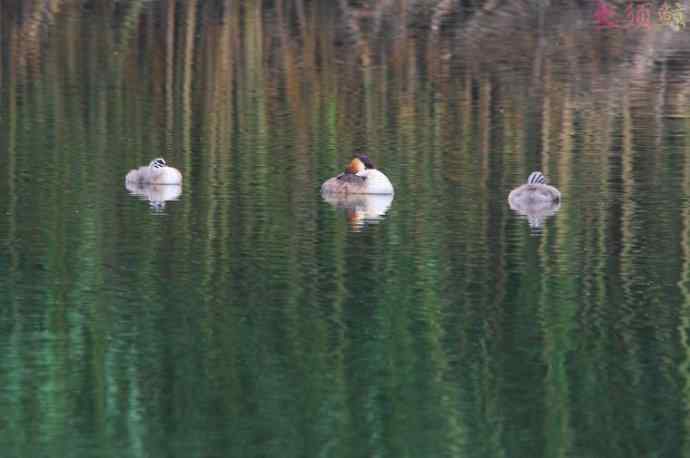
<point>250,317</point>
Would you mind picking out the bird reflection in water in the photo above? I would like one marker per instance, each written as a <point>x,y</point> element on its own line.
<point>361,209</point>
<point>536,213</point>
<point>156,195</point>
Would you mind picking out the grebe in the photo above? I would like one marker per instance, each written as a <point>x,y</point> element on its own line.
<point>534,192</point>
<point>157,172</point>
<point>535,200</point>
<point>360,177</point>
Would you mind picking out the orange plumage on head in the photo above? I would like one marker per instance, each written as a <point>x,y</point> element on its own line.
<point>356,165</point>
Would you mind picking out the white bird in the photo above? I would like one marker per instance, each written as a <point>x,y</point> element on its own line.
<point>535,200</point>
<point>157,172</point>
<point>534,192</point>
<point>360,177</point>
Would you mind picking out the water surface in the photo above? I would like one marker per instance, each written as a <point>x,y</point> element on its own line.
<point>251,317</point>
